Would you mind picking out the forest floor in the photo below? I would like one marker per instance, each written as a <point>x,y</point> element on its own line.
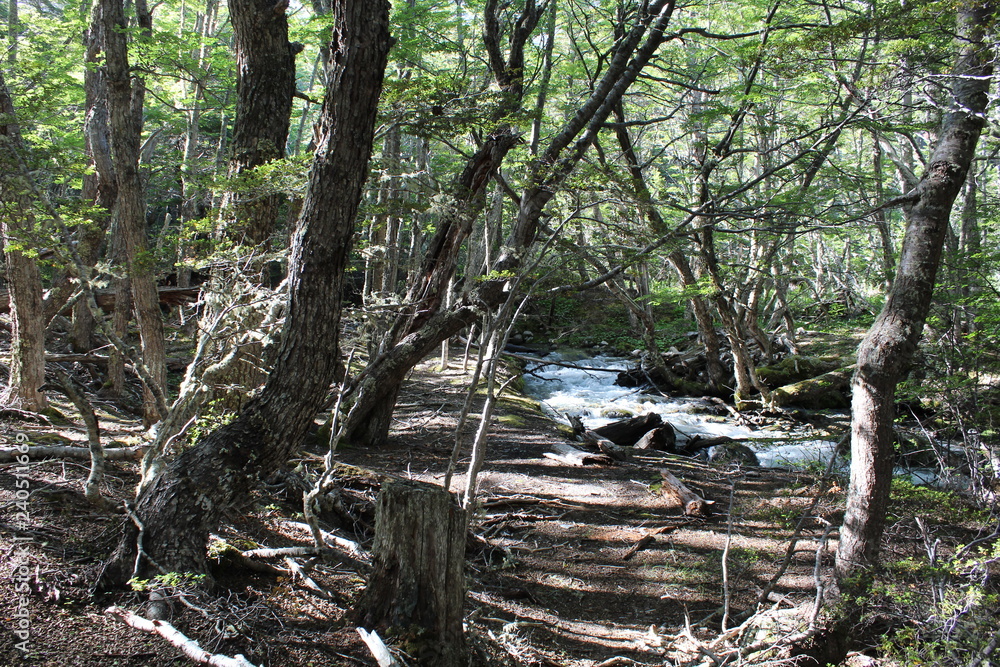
<point>569,566</point>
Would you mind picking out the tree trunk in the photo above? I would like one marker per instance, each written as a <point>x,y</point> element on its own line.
<point>181,506</point>
<point>889,345</point>
<point>100,188</point>
<point>17,221</point>
<point>125,107</point>
<point>265,86</point>
<point>417,587</point>
<point>547,174</point>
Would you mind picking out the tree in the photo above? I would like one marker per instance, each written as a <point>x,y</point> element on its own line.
<point>187,500</point>
<point>126,95</point>
<point>885,353</point>
<point>17,221</point>
<point>418,333</point>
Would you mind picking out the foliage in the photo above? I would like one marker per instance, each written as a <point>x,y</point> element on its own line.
<point>947,621</point>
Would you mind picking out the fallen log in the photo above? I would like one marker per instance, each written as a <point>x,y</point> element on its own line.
<point>169,296</point>
<point>70,452</point>
<point>575,457</point>
<point>829,390</point>
<point>698,443</point>
<point>662,439</point>
<point>173,363</point>
<point>605,445</point>
<point>627,432</point>
<point>691,503</point>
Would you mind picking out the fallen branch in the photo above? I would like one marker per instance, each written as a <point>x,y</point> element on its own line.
<point>105,298</point>
<point>573,456</point>
<point>187,646</point>
<point>378,648</point>
<point>350,546</point>
<point>605,445</point>
<point>72,452</point>
<point>691,502</point>
<point>646,540</point>
<point>307,581</point>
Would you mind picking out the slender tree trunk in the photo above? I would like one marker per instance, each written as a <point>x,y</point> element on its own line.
<point>543,85</point>
<point>17,222</point>
<point>181,506</point>
<point>887,349</point>
<point>100,187</point>
<point>125,106</point>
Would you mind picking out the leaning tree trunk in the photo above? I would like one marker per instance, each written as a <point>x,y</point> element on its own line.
<point>888,347</point>
<point>27,368</point>
<point>181,506</point>
<point>378,385</point>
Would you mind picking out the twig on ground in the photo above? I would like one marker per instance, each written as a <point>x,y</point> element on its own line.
<point>306,579</point>
<point>187,646</point>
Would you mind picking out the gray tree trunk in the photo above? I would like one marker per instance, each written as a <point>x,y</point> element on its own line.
<point>125,106</point>
<point>888,347</point>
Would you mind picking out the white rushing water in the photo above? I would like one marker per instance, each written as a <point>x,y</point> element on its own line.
<point>589,392</point>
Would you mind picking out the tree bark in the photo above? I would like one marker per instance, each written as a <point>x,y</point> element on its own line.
<point>179,508</point>
<point>99,188</point>
<point>125,107</point>
<point>888,347</point>
<point>17,221</point>
<point>417,587</point>
<point>265,88</point>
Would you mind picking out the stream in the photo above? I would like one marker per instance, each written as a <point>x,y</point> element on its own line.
<point>588,390</point>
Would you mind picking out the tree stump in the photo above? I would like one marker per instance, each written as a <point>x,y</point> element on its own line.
<point>417,589</point>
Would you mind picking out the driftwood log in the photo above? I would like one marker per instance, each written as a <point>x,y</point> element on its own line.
<point>662,438</point>
<point>691,503</point>
<point>605,445</point>
<point>627,432</point>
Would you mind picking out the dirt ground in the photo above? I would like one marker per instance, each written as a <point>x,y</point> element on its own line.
<point>568,566</point>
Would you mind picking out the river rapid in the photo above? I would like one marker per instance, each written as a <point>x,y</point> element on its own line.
<point>586,388</point>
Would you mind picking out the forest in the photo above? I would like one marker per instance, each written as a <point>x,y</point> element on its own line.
<point>290,292</point>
